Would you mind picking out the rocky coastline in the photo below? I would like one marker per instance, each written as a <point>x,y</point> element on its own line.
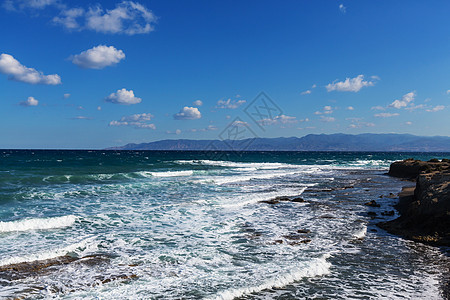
<point>424,209</point>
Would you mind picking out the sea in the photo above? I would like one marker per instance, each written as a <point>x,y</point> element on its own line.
<point>198,225</point>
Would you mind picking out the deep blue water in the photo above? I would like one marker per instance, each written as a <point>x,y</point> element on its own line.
<point>190,225</point>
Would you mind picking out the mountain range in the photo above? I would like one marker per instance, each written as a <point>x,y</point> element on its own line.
<point>310,142</point>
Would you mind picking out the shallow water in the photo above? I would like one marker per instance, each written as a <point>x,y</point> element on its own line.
<point>191,225</point>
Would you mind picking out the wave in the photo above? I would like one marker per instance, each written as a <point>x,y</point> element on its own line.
<point>73,249</point>
<point>316,267</point>
<point>246,199</point>
<point>167,174</point>
<point>38,224</point>
<point>239,178</point>
<point>231,164</point>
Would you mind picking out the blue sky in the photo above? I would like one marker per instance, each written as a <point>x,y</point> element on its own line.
<point>79,74</point>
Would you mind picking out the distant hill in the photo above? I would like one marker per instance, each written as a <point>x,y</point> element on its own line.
<point>310,142</point>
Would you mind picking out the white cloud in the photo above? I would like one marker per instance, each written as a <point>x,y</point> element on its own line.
<point>378,108</point>
<point>99,108</point>
<point>342,8</point>
<point>209,128</point>
<point>18,72</point>
<point>307,92</point>
<point>98,57</point>
<point>326,110</point>
<point>239,123</point>
<point>406,100</point>
<point>31,101</point>
<point>386,115</point>
<point>33,4</point>
<point>281,119</point>
<point>436,108</point>
<point>66,96</point>
<point>127,17</point>
<point>349,84</point>
<point>69,18</point>
<point>350,108</point>
<point>448,92</point>
<point>327,119</point>
<point>123,97</point>
<point>197,103</point>
<point>408,123</point>
<point>81,118</point>
<point>230,104</point>
<point>188,113</point>
<point>177,132</point>
<point>136,120</point>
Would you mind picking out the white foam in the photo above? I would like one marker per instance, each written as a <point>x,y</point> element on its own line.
<point>316,267</point>
<point>246,177</point>
<point>220,163</point>
<point>361,233</point>
<point>38,224</point>
<point>168,173</point>
<point>246,199</point>
<point>79,247</point>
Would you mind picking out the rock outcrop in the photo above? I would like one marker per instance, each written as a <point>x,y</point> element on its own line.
<point>425,209</point>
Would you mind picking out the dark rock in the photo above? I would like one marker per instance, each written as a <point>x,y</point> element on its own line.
<point>425,209</point>
<point>298,199</point>
<point>293,236</point>
<point>388,213</point>
<point>303,231</point>
<point>326,216</point>
<point>412,168</point>
<point>371,213</point>
<point>271,201</point>
<point>372,203</point>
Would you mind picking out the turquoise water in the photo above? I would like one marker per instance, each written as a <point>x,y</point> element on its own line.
<point>190,225</point>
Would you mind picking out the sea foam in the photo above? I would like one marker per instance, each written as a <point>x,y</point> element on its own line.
<point>38,224</point>
<point>316,267</point>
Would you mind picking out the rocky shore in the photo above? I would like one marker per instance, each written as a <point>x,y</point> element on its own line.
<point>425,209</point>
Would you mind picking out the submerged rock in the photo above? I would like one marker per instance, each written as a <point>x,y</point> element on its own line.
<point>372,203</point>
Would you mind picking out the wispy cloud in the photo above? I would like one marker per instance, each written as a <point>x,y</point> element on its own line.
<point>281,119</point>
<point>136,121</point>
<point>436,108</point>
<point>18,72</point>
<point>342,8</point>
<point>127,17</point>
<point>327,119</point>
<point>230,104</point>
<point>386,115</point>
<point>197,103</point>
<point>325,111</point>
<point>349,84</point>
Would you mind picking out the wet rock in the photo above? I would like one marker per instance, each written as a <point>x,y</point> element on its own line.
<point>425,209</point>
<point>372,203</point>
<point>303,231</point>
<point>279,199</point>
<point>298,199</point>
<point>326,216</point>
<point>371,213</point>
<point>388,213</point>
